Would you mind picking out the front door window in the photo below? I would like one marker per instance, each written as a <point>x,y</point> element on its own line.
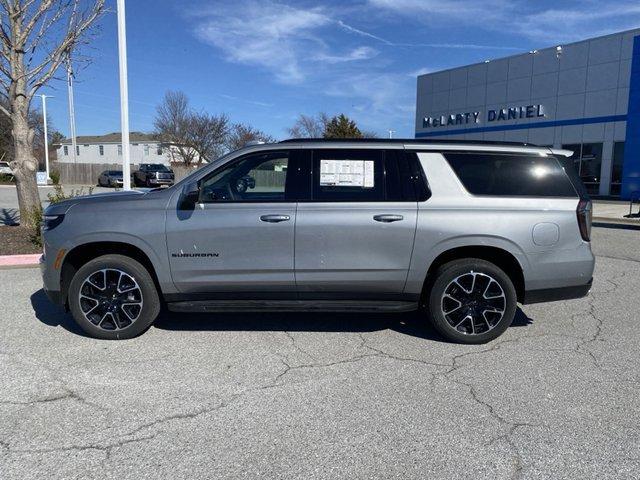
<point>255,178</point>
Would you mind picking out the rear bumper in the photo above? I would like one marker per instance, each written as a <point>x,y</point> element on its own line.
<point>556,294</point>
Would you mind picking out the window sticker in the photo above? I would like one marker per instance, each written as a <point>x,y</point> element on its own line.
<point>346,173</point>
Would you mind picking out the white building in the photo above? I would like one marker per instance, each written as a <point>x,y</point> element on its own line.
<point>107,149</point>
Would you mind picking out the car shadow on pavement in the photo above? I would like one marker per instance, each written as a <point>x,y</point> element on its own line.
<point>53,315</point>
<point>412,323</point>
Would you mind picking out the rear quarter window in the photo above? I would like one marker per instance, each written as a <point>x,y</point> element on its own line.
<point>512,175</point>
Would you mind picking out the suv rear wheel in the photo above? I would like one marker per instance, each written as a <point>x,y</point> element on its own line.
<point>471,301</point>
<point>113,297</point>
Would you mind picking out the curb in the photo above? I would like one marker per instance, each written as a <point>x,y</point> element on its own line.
<point>11,261</point>
<point>616,221</point>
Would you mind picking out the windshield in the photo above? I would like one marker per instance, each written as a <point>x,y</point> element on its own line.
<point>4,164</point>
<point>157,168</point>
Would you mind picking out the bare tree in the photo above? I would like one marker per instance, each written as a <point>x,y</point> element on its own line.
<point>192,136</point>
<point>172,123</point>
<point>36,38</point>
<point>208,135</point>
<point>241,134</point>
<point>369,134</point>
<point>307,126</point>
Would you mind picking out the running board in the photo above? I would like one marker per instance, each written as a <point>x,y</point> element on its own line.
<point>291,306</point>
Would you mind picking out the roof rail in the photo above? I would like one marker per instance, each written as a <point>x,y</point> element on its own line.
<point>405,141</point>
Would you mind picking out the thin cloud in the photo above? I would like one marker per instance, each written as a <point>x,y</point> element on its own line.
<point>244,100</point>
<point>533,21</point>
<point>270,35</point>
<point>360,53</point>
<point>466,46</point>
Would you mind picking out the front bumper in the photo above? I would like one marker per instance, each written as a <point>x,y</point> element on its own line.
<point>50,282</point>
<point>161,181</point>
<point>556,294</point>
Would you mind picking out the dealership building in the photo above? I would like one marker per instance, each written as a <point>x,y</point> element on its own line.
<point>582,96</point>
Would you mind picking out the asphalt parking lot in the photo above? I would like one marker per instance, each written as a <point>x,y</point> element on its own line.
<point>327,396</point>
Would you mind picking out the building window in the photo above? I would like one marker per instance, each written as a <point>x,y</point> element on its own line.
<point>66,150</point>
<point>146,150</point>
<point>78,150</point>
<point>159,150</point>
<point>616,168</point>
<point>120,149</point>
<point>101,149</point>
<point>587,160</point>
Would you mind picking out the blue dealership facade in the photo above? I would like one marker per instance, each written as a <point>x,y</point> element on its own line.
<point>583,96</point>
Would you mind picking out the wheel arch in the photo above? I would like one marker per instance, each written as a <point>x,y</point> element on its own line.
<point>81,254</point>
<point>500,257</point>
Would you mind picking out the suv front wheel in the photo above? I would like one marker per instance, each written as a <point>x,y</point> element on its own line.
<point>113,297</point>
<point>471,301</point>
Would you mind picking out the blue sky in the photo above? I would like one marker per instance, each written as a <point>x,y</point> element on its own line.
<point>264,62</point>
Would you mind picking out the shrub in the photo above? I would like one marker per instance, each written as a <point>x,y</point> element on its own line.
<point>33,220</point>
<point>55,177</point>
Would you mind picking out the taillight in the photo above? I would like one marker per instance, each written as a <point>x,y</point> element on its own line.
<point>585,213</point>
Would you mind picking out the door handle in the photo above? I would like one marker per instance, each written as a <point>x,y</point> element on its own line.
<point>275,218</point>
<point>388,218</point>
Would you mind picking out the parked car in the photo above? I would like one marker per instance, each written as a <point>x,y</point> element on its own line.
<point>460,231</point>
<point>5,169</point>
<point>153,175</point>
<point>110,178</point>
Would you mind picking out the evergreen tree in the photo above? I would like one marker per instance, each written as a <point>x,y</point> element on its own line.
<point>342,127</point>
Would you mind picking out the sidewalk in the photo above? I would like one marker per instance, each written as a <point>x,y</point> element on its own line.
<point>615,211</point>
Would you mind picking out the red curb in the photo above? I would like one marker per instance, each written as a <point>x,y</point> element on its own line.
<point>19,260</point>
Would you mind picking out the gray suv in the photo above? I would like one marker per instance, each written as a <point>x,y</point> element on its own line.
<point>461,231</point>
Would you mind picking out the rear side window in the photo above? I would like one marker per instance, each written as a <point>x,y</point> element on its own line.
<point>511,175</point>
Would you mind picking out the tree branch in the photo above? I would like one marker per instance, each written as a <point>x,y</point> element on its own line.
<point>5,111</point>
<point>53,61</point>
<point>42,9</point>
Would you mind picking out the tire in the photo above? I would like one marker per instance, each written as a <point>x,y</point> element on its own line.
<point>471,301</point>
<point>124,293</point>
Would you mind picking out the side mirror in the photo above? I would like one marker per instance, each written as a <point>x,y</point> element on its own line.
<point>190,195</point>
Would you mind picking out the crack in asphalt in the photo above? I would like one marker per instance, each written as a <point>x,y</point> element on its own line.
<point>106,448</point>
<point>63,396</point>
<point>290,336</point>
<point>581,346</point>
<point>626,259</point>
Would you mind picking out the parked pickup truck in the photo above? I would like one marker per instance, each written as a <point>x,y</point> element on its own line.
<point>460,231</point>
<point>153,175</point>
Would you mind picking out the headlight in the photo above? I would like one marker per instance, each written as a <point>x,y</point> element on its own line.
<point>49,222</point>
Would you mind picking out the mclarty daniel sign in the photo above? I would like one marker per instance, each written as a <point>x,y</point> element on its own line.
<point>500,115</point>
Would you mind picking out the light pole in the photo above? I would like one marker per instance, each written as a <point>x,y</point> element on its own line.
<point>72,112</point>
<point>391,132</point>
<point>46,138</point>
<point>124,95</point>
